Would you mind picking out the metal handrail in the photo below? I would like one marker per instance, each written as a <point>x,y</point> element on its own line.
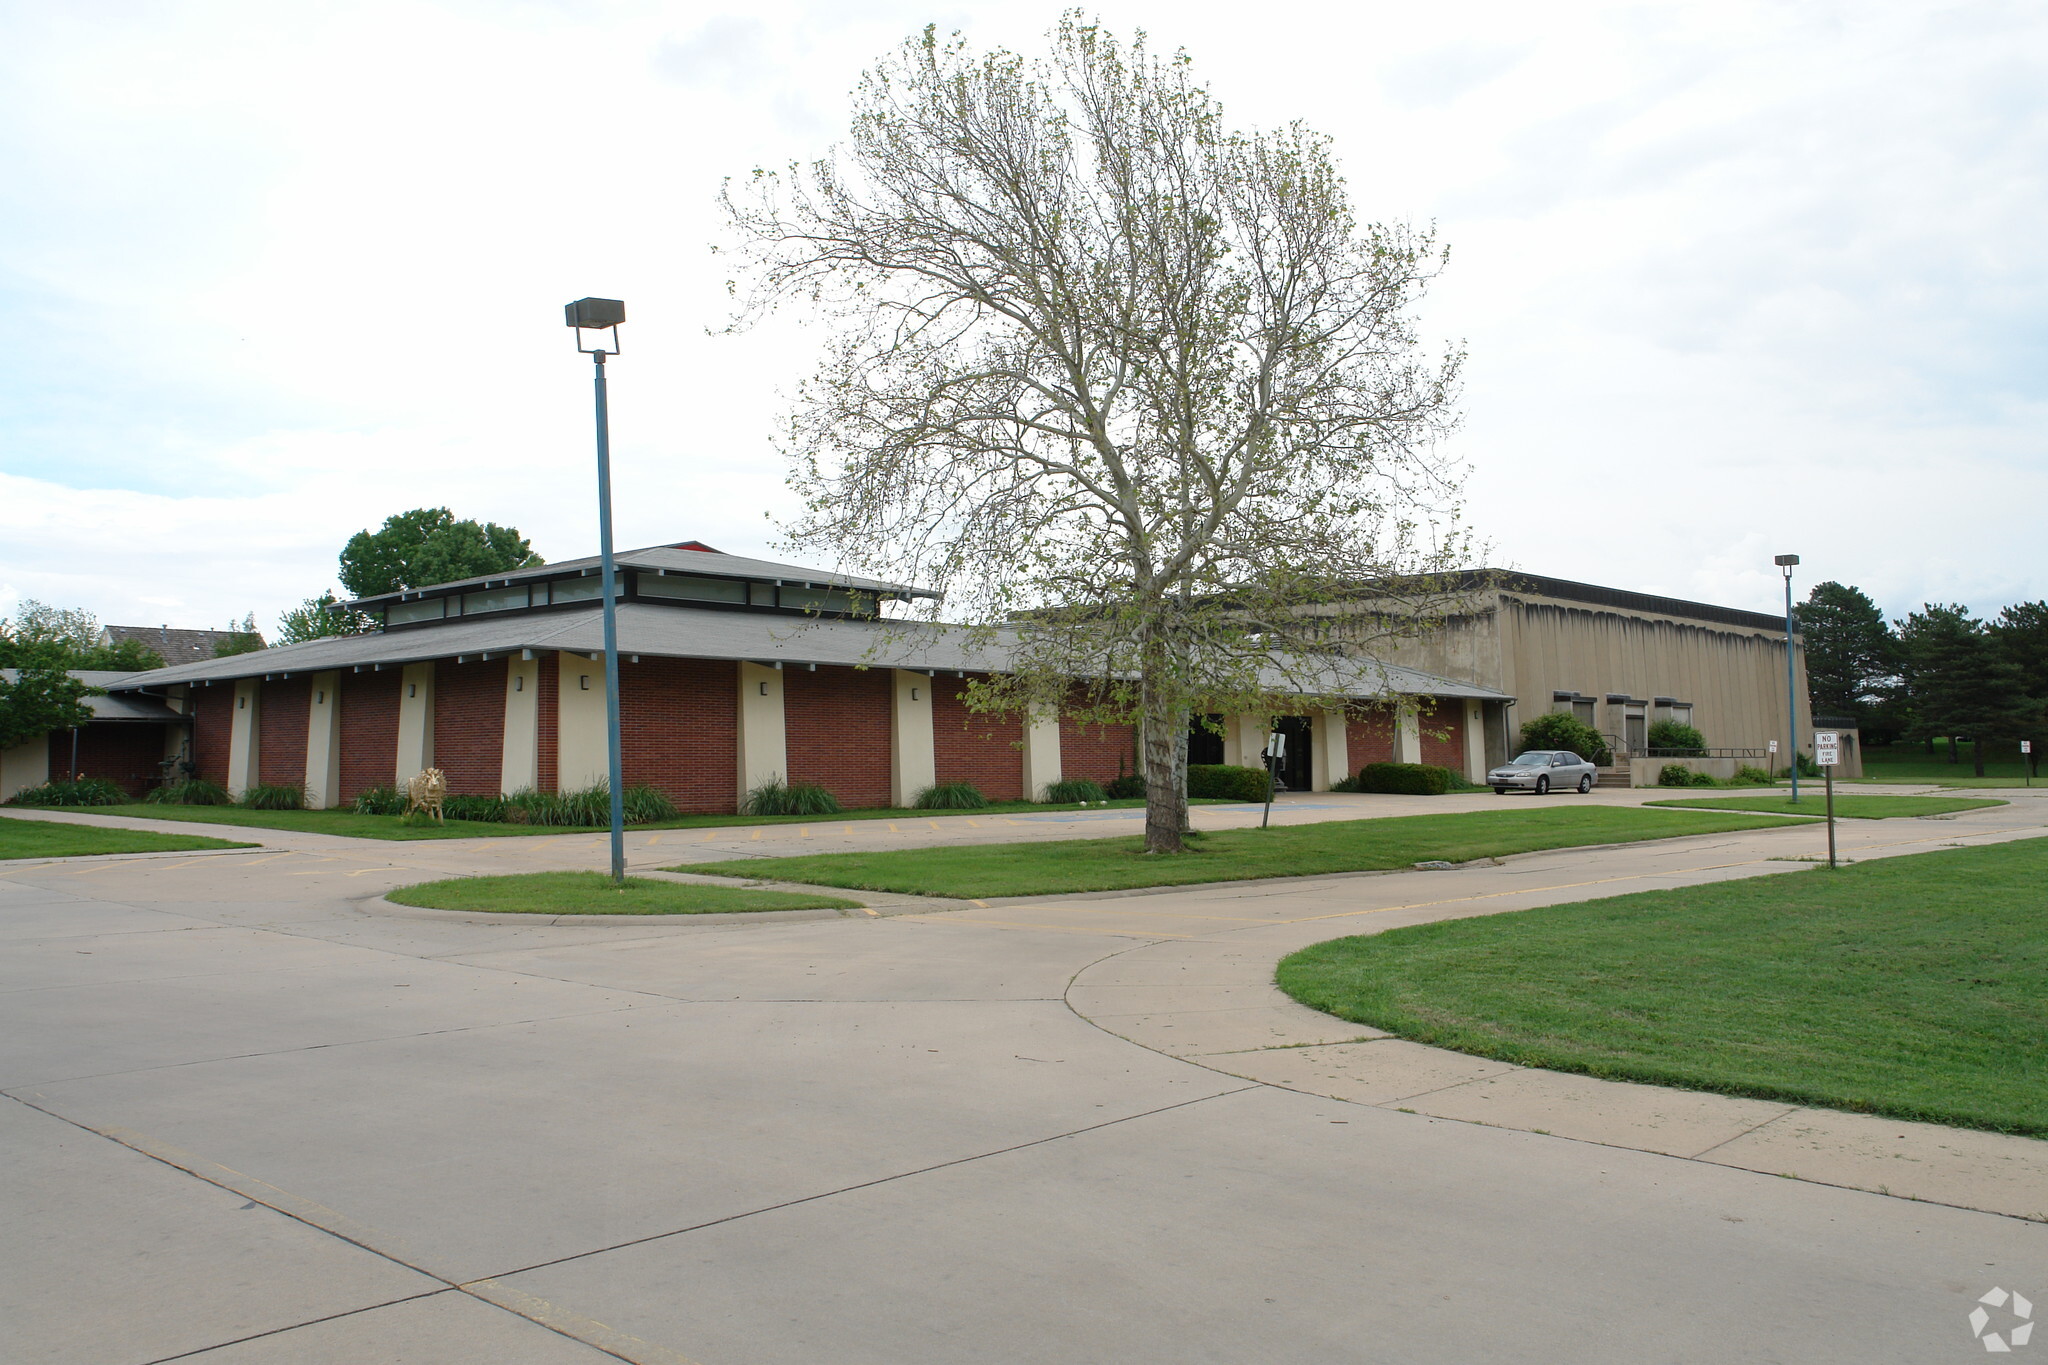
<point>1705,753</point>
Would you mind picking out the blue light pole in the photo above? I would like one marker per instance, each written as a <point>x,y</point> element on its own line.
<point>606,315</point>
<point>1785,563</point>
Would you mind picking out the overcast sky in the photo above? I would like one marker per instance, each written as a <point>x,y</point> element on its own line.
<point>1734,278</point>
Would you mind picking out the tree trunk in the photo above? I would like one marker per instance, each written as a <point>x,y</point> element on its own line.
<point>1162,736</point>
<point>1977,752</point>
<point>1952,748</point>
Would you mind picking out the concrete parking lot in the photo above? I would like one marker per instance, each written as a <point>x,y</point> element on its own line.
<point>253,1115</point>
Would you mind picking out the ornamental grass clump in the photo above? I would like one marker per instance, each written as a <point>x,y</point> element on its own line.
<point>1079,791</point>
<point>645,805</point>
<point>193,791</point>
<point>279,796</point>
<point>776,797</point>
<point>489,809</point>
<point>379,801</point>
<point>950,796</point>
<point>86,791</point>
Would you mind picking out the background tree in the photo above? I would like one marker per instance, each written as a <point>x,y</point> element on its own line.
<point>1963,684</point>
<point>319,618</point>
<point>1852,661</point>
<point>42,636</point>
<point>39,700</point>
<point>428,545</point>
<point>1135,388</point>
<point>240,639</point>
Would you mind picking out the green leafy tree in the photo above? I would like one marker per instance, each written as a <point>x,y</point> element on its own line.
<point>1852,659</point>
<point>241,639</point>
<point>2022,632</point>
<point>1678,736</point>
<point>40,700</point>
<point>1962,682</point>
<point>1137,389</point>
<point>319,618</point>
<point>42,636</point>
<point>428,545</point>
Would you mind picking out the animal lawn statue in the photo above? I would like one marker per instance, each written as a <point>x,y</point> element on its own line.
<point>425,793</point>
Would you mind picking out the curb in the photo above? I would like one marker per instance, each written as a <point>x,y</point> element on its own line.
<point>379,905</point>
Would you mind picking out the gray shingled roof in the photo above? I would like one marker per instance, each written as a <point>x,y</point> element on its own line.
<point>702,633</point>
<point>709,563</point>
<point>172,646</point>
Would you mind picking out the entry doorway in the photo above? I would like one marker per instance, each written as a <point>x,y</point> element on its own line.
<point>1296,768</point>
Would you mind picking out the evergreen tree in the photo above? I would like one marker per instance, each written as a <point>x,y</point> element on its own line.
<point>1962,682</point>
<point>2022,631</point>
<point>1852,661</point>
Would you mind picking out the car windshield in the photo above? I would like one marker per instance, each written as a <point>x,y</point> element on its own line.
<point>1539,759</point>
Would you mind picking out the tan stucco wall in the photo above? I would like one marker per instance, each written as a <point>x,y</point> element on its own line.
<point>244,733</point>
<point>1041,754</point>
<point>415,723</point>
<point>24,766</point>
<point>913,747</point>
<point>763,743</point>
<point>1530,646</point>
<point>323,741</point>
<point>519,760</point>
<point>582,757</point>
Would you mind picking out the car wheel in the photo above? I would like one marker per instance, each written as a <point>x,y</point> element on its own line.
<point>1585,783</point>
<point>1543,786</point>
<point>1500,791</point>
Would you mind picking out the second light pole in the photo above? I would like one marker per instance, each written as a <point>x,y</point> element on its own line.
<point>605,315</point>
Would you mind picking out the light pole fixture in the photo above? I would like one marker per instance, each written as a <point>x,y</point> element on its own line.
<point>1786,563</point>
<point>601,316</point>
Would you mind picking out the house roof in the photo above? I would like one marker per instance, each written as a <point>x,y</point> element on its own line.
<point>701,633</point>
<point>172,646</point>
<point>673,559</point>
<point>117,706</point>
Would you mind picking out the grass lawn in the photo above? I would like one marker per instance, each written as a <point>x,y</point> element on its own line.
<point>1907,986</point>
<point>347,822</point>
<point>1912,763</point>
<point>983,870</point>
<point>592,893</point>
<point>48,839</point>
<point>1848,807</point>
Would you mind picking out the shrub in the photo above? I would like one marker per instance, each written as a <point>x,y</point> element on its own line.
<point>1404,779</point>
<point>1752,777</point>
<point>1561,730</point>
<point>950,796</point>
<point>193,791</point>
<point>777,797</point>
<point>379,801</point>
<point>1807,767</point>
<point>644,805</point>
<point>1678,775</point>
<point>1125,787</point>
<point>86,791</point>
<point>591,805</point>
<point>1346,784</point>
<point>1674,736</point>
<point>1227,782</point>
<point>1075,790</point>
<point>490,809</point>
<point>279,797</point>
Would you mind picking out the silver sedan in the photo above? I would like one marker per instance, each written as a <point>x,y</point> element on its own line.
<point>1541,770</point>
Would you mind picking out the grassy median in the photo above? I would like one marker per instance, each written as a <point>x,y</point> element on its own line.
<point>1909,986</point>
<point>592,893</point>
<point>1847,807</point>
<point>49,839</point>
<point>347,822</point>
<point>1023,869</point>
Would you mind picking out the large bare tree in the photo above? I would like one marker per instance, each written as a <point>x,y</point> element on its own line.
<point>1135,388</point>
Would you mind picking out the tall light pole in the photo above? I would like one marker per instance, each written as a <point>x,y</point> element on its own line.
<point>605,315</point>
<point>1785,563</point>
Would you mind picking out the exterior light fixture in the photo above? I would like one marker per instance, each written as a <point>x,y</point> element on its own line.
<point>604,316</point>
<point>1786,563</point>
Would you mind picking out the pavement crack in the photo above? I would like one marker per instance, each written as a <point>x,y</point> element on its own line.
<point>866,1184</point>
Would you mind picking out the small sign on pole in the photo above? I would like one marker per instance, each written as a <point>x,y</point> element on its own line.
<point>2027,760</point>
<point>1276,749</point>
<point>1827,752</point>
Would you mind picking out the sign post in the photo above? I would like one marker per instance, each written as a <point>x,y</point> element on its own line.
<point>1276,749</point>
<point>1827,752</point>
<point>2027,759</point>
